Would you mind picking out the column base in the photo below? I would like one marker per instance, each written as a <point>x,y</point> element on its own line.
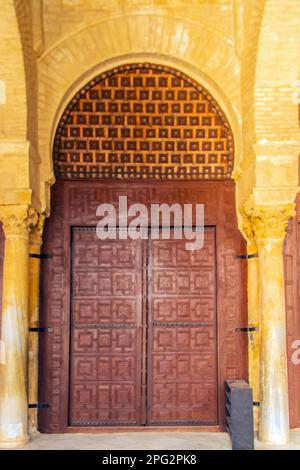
<point>14,443</point>
<point>274,442</point>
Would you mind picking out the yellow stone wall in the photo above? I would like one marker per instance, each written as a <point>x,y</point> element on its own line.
<point>89,37</point>
<point>227,45</point>
<point>14,156</point>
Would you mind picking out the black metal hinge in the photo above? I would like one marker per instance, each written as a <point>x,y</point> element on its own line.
<point>40,330</point>
<point>41,255</point>
<point>38,405</point>
<point>256,403</point>
<point>253,255</point>
<point>246,329</point>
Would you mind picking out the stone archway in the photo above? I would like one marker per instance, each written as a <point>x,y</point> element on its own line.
<point>102,52</point>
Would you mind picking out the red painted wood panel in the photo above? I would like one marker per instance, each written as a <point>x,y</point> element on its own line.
<point>292,289</point>
<point>106,315</point>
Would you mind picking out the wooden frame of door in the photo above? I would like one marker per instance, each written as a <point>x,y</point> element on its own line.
<point>74,203</point>
<point>291,252</point>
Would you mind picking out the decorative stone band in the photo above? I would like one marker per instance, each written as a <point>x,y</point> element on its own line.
<point>265,222</point>
<point>18,220</point>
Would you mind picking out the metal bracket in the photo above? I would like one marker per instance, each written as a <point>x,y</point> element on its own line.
<point>41,255</point>
<point>40,330</point>
<point>246,329</point>
<point>254,255</point>
<point>38,405</point>
<point>256,403</point>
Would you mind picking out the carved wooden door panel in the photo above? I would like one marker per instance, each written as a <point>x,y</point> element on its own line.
<point>106,316</point>
<point>182,343</point>
<point>109,337</point>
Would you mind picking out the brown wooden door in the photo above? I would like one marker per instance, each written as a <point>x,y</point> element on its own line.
<point>101,363</point>
<point>105,365</point>
<point>182,352</point>
<point>112,334</point>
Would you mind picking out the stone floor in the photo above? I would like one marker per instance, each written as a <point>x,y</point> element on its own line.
<point>145,441</point>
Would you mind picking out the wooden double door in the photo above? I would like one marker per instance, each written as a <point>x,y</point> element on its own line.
<point>143,332</point>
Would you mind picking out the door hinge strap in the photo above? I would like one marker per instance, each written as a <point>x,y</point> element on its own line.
<point>41,255</point>
<point>253,255</point>
<point>40,330</point>
<point>256,403</point>
<point>38,405</point>
<point>246,329</point>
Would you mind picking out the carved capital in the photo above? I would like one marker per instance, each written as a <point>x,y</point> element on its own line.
<point>247,229</point>
<point>17,220</point>
<point>269,221</point>
<point>36,232</point>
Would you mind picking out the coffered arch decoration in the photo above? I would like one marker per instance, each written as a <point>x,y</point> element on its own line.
<point>143,121</point>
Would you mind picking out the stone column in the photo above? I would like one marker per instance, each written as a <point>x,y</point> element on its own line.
<point>269,224</point>
<point>14,326</point>
<point>35,242</point>
<point>253,314</point>
<point>253,321</point>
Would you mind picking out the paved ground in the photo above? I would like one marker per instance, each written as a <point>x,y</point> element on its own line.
<point>145,441</point>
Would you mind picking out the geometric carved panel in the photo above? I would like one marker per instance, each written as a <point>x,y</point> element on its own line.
<point>106,344</point>
<point>143,121</point>
<point>105,341</point>
<point>182,354</point>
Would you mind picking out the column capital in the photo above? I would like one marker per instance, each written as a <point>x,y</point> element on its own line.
<point>17,220</point>
<point>247,229</point>
<point>36,232</point>
<point>268,221</point>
